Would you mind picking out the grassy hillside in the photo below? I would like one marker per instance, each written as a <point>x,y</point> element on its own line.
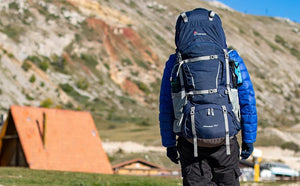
<point>107,57</point>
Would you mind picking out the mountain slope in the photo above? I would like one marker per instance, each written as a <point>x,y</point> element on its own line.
<point>107,57</point>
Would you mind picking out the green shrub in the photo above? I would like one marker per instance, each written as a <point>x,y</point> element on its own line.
<point>295,53</point>
<point>11,55</point>
<point>143,87</point>
<point>124,100</point>
<point>70,91</point>
<point>106,66</point>
<point>140,13</point>
<point>32,78</point>
<point>160,39</point>
<point>69,105</point>
<point>34,59</point>
<point>43,65</point>
<point>241,31</point>
<point>273,46</point>
<point>66,87</point>
<point>59,63</point>
<point>13,5</point>
<point>40,61</point>
<point>28,97</point>
<point>82,84</point>
<point>126,61</point>
<point>280,40</point>
<point>144,123</point>
<point>89,59</point>
<point>26,65</point>
<point>47,14</point>
<point>136,73</point>
<point>13,32</point>
<point>291,146</point>
<point>142,64</point>
<point>132,4</point>
<point>47,103</point>
<point>257,33</point>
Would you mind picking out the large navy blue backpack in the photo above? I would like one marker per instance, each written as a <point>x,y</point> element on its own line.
<point>204,92</point>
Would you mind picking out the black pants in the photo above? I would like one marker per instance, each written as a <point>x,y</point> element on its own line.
<point>212,166</point>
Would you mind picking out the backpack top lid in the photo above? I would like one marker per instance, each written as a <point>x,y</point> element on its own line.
<point>198,26</point>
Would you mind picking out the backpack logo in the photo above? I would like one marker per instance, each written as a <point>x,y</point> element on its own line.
<point>199,33</point>
<point>210,126</point>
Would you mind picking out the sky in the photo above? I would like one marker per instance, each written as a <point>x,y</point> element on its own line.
<point>275,8</point>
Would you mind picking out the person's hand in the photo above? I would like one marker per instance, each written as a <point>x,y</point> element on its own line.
<point>247,149</point>
<point>172,154</point>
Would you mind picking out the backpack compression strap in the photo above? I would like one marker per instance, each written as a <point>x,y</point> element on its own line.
<point>224,108</point>
<point>194,132</point>
<point>202,58</point>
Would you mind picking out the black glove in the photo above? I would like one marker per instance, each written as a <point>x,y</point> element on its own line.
<point>172,154</point>
<point>247,149</point>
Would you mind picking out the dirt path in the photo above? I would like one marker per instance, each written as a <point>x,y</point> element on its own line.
<point>129,147</point>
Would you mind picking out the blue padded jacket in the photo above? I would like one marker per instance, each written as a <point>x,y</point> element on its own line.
<point>246,98</point>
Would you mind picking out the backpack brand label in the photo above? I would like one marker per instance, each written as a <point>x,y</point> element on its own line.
<point>211,126</point>
<point>199,33</point>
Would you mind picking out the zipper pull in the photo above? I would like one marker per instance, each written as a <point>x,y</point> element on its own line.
<point>208,112</point>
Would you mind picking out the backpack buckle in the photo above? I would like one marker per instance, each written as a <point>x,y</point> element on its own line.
<point>211,15</point>
<point>184,17</point>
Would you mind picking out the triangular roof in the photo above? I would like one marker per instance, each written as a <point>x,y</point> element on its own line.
<point>69,141</point>
<point>144,162</point>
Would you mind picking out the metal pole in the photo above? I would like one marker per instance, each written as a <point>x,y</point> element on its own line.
<point>44,129</point>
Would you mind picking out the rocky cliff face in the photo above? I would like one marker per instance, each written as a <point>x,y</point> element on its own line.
<point>107,57</point>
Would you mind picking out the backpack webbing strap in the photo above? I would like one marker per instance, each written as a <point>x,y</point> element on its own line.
<point>227,73</point>
<point>224,107</point>
<point>211,15</point>
<point>227,143</point>
<point>202,58</point>
<point>210,91</point>
<point>227,68</point>
<point>184,17</point>
<point>194,132</point>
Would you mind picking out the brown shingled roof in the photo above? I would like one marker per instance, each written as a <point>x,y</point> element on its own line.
<point>147,163</point>
<point>55,139</point>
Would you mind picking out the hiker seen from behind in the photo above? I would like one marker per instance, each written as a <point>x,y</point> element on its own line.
<point>206,98</point>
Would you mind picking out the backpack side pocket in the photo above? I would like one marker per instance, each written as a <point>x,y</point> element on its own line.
<point>234,98</point>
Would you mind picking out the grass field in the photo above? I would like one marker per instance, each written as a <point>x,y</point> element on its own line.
<point>25,176</point>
